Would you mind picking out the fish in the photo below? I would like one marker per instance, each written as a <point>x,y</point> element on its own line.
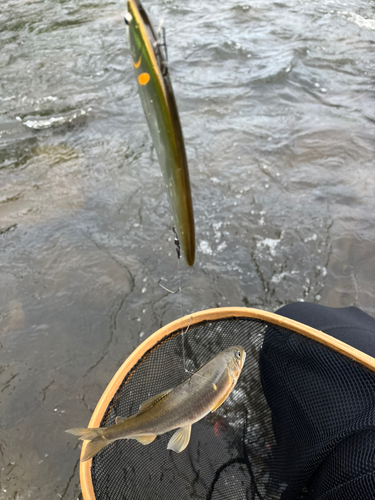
<point>178,408</point>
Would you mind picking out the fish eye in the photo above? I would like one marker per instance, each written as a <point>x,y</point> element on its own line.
<point>237,354</point>
<point>128,18</point>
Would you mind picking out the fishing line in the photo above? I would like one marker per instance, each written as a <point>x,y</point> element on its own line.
<point>179,289</point>
<point>178,251</point>
<point>167,289</point>
<point>183,332</point>
<point>177,243</point>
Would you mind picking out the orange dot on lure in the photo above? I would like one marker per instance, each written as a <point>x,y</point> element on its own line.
<point>143,78</point>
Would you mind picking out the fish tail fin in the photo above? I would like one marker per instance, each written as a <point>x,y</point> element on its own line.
<point>93,447</point>
<point>86,434</point>
<point>96,438</point>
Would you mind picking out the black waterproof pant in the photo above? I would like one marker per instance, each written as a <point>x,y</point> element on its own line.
<point>323,407</point>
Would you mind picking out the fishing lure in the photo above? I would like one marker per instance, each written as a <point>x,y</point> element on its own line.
<point>149,56</point>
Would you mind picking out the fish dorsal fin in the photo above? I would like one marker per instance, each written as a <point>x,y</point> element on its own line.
<point>144,439</point>
<point>180,439</point>
<point>222,399</point>
<point>151,401</point>
<point>119,420</point>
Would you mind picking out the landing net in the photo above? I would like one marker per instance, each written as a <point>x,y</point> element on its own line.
<point>239,451</point>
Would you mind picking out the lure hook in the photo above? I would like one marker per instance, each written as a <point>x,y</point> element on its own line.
<point>162,56</point>
<point>177,243</point>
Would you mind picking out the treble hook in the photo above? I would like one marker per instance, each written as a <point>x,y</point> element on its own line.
<point>167,289</point>
<point>161,56</point>
<point>177,243</point>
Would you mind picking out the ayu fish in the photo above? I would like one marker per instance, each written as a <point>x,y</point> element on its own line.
<point>178,408</point>
<point>159,105</point>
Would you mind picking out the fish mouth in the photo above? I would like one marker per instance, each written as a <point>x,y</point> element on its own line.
<point>241,361</point>
<point>243,358</point>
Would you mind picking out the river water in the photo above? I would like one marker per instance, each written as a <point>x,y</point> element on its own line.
<point>277,105</point>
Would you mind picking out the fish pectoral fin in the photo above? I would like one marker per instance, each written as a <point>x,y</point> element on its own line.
<point>120,419</point>
<point>151,401</point>
<point>180,439</point>
<point>222,399</point>
<point>147,439</point>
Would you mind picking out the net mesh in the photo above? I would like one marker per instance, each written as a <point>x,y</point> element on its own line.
<point>282,433</point>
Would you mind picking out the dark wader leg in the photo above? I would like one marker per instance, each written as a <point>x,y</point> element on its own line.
<point>323,407</point>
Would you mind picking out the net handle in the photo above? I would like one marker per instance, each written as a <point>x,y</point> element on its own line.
<point>192,319</point>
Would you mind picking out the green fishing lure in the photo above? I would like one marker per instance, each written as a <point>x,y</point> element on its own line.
<point>160,108</point>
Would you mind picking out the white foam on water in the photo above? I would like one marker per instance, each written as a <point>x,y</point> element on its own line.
<point>204,247</point>
<point>222,246</point>
<point>270,243</point>
<point>313,237</point>
<point>216,226</point>
<point>360,21</point>
<point>53,121</point>
<point>276,278</point>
